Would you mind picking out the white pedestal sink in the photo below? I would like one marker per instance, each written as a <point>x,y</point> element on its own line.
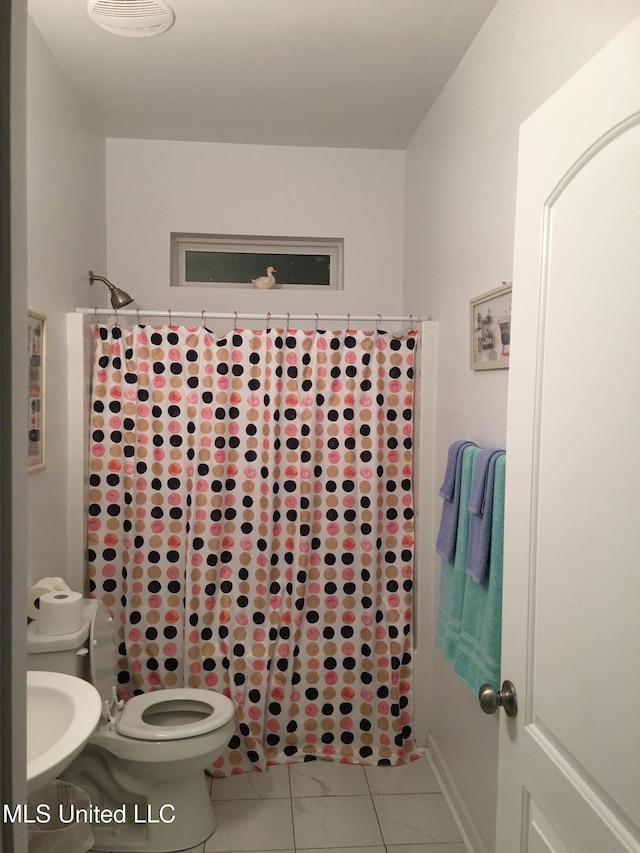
<point>62,713</point>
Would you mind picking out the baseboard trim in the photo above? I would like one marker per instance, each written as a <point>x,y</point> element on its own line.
<point>465,823</point>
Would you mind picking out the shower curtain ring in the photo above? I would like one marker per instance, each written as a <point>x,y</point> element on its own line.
<point>138,315</point>
<point>317,321</point>
<point>202,318</point>
<point>268,321</point>
<point>413,328</point>
<point>235,321</point>
<point>348,321</point>
<point>288,319</point>
<point>170,318</point>
<point>378,321</point>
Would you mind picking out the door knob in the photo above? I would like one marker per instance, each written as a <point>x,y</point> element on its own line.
<point>490,699</point>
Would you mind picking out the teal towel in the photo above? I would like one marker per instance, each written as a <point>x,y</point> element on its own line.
<point>477,656</point>
<point>453,575</point>
<point>481,511</point>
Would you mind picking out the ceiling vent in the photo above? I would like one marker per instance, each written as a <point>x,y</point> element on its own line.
<point>133,18</point>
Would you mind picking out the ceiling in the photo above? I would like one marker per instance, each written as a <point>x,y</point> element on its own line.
<point>336,73</point>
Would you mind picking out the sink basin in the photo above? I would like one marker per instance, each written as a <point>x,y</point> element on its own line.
<point>62,713</point>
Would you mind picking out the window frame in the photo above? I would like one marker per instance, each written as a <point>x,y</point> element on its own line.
<point>182,242</point>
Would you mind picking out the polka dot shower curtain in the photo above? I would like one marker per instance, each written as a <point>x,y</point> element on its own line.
<point>251,525</point>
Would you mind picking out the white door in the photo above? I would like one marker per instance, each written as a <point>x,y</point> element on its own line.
<point>569,778</point>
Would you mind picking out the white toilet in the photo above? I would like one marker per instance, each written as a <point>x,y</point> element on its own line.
<point>145,762</point>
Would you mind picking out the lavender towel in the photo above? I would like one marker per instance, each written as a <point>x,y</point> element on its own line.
<point>480,509</point>
<point>450,492</point>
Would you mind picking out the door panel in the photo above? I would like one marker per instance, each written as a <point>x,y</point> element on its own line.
<point>542,836</point>
<point>588,501</point>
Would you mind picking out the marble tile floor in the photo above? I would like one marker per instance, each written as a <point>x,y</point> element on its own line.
<point>327,807</point>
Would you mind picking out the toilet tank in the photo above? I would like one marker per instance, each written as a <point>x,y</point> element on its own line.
<point>66,653</point>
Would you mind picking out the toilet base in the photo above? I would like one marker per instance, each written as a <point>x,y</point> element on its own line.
<point>137,814</point>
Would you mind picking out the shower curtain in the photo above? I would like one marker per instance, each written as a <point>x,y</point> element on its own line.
<point>251,525</point>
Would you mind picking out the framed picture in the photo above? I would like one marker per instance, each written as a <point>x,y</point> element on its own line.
<point>490,320</point>
<point>36,366</point>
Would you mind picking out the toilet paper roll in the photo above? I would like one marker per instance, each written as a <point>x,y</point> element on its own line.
<point>39,589</point>
<point>60,612</point>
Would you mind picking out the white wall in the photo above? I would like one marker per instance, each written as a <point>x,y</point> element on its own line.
<point>155,187</point>
<point>459,215</point>
<point>66,233</point>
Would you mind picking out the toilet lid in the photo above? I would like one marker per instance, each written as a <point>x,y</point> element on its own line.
<point>173,714</point>
<point>103,659</point>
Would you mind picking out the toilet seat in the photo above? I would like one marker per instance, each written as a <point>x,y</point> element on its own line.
<point>204,710</point>
<point>151,716</point>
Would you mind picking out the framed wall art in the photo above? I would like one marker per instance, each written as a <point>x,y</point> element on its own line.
<point>490,321</point>
<point>36,367</point>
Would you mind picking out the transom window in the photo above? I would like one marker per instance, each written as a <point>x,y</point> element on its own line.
<point>218,260</point>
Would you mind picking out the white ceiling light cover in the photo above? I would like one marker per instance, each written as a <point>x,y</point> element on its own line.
<point>133,18</point>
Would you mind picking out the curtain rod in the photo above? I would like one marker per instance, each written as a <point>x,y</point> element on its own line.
<point>265,316</point>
